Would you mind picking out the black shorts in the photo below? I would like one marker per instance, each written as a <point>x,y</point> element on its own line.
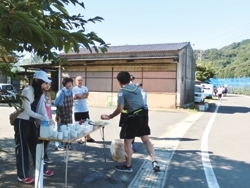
<point>81,116</point>
<point>219,95</point>
<point>135,126</point>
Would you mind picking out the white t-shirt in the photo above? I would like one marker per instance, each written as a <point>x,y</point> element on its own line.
<point>220,90</point>
<point>80,105</point>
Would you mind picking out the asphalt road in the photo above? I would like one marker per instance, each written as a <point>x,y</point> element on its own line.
<point>86,169</point>
<point>207,149</point>
<point>227,141</point>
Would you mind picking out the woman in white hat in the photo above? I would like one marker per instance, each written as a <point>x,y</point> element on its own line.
<point>26,132</point>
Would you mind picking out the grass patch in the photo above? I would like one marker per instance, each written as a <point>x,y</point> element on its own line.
<point>191,109</point>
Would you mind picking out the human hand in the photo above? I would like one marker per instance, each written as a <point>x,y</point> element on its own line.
<point>105,117</point>
<point>52,122</point>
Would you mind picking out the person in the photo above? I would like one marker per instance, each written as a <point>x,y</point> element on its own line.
<point>64,105</point>
<point>26,132</point>
<point>226,90</point>
<point>219,93</point>
<point>134,123</point>
<point>132,78</point>
<point>47,103</point>
<point>81,112</point>
<point>144,95</point>
<point>215,91</point>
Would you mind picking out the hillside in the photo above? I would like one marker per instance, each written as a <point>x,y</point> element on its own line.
<point>228,62</point>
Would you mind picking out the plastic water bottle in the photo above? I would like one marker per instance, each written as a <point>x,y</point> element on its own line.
<point>44,129</point>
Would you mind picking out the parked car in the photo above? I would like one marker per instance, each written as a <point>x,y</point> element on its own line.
<point>199,95</point>
<point>7,91</point>
<point>208,90</point>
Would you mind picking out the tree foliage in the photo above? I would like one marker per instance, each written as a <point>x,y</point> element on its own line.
<point>204,73</point>
<point>228,62</point>
<point>45,27</point>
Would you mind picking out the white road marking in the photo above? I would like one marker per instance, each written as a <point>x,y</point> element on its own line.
<point>208,169</point>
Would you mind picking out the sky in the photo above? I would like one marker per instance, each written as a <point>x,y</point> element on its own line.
<point>205,24</point>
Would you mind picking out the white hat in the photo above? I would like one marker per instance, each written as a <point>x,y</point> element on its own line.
<point>42,76</point>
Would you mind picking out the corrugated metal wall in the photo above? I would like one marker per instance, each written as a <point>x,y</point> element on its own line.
<point>157,79</point>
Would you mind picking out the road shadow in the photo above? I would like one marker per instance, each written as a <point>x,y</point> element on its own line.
<point>86,166</point>
<point>186,170</point>
<point>176,138</point>
<point>228,109</point>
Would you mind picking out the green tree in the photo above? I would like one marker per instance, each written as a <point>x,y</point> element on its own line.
<point>44,27</point>
<point>204,73</point>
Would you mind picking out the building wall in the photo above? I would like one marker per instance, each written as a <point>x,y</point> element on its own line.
<point>185,77</point>
<point>155,100</point>
<point>158,80</point>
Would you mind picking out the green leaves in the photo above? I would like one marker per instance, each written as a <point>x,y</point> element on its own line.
<point>16,26</point>
<point>204,73</point>
<point>43,26</point>
<point>228,62</point>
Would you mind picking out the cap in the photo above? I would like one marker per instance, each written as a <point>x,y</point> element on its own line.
<point>42,76</point>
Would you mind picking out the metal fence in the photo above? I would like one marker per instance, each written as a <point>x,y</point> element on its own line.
<point>231,82</point>
<point>234,85</point>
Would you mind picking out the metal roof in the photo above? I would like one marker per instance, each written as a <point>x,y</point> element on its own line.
<point>138,48</point>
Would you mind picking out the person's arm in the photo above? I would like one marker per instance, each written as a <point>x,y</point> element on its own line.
<point>41,109</point>
<point>117,111</point>
<point>27,105</point>
<point>82,96</point>
<point>59,97</point>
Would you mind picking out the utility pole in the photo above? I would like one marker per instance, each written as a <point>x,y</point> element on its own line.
<point>200,54</point>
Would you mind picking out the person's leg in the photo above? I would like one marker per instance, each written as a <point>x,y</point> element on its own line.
<point>133,145</point>
<point>77,117</point>
<point>85,115</point>
<point>151,152</point>
<point>127,133</point>
<point>46,143</point>
<point>128,151</point>
<point>46,157</point>
<point>22,131</point>
<point>58,145</point>
<point>127,167</point>
<point>32,142</point>
<point>149,147</point>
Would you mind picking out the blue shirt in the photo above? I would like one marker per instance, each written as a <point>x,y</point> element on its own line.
<point>60,96</point>
<point>144,96</point>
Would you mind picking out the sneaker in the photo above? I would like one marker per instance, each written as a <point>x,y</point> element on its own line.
<point>124,168</point>
<point>156,166</point>
<point>48,160</point>
<point>69,147</point>
<point>48,173</point>
<point>59,149</point>
<point>27,180</point>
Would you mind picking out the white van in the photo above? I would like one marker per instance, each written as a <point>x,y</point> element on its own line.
<point>208,90</point>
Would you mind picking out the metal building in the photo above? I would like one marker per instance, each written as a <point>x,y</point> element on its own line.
<point>167,72</point>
